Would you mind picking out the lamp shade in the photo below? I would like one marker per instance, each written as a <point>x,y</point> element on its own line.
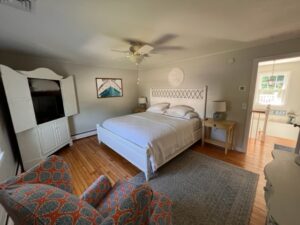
<point>142,100</point>
<point>219,106</point>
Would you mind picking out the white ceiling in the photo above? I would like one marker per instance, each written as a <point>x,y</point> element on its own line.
<point>85,31</point>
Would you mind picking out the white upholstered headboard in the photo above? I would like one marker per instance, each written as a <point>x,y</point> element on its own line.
<point>195,98</point>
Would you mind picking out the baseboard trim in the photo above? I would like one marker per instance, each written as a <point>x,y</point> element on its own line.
<point>84,134</point>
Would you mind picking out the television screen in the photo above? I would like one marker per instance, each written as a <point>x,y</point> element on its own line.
<point>47,100</point>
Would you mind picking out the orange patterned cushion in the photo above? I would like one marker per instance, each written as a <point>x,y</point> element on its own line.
<point>44,204</point>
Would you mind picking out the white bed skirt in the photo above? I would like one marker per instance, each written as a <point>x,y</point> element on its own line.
<point>135,154</point>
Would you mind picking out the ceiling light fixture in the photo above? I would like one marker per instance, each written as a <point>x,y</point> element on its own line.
<point>136,58</point>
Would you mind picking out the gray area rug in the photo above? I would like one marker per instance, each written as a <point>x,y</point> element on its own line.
<point>205,190</point>
<point>283,148</point>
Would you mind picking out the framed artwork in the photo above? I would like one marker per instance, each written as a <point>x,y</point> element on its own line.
<point>109,87</point>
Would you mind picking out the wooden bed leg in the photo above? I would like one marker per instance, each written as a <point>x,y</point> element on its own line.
<point>98,134</point>
<point>99,140</point>
<point>148,173</point>
<point>147,176</point>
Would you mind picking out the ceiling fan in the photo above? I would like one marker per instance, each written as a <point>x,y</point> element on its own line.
<point>138,50</point>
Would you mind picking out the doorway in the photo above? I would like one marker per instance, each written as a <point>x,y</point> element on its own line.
<point>276,104</point>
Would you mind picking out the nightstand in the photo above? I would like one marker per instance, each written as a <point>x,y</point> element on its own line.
<point>139,110</point>
<point>226,125</point>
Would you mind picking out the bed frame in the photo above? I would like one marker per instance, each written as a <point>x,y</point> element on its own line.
<point>140,157</point>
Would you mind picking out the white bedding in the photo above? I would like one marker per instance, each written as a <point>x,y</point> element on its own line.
<point>164,136</point>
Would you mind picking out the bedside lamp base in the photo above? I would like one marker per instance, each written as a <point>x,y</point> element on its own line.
<point>143,106</point>
<point>219,116</point>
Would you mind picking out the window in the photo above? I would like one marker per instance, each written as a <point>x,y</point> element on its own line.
<point>272,88</point>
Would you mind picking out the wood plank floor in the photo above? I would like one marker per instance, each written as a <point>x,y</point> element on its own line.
<point>88,159</point>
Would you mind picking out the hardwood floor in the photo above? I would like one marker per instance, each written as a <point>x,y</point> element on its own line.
<point>88,160</point>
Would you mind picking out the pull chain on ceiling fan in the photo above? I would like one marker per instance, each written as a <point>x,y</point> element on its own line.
<point>138,75</point>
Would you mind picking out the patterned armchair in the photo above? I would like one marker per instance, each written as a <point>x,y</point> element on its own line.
<point>43,195</point>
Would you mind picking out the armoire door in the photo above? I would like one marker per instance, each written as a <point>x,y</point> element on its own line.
<point>69,96</point>
<point>19,99</point>
<point>62,131</point>
<point>47,137</point>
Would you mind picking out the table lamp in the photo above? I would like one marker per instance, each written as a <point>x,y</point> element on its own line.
<point>142,102</point>
<point>219,108</point>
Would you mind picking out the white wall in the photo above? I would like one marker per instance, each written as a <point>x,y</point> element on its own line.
<point>222,78</point>
<point>92,110</point>
<point>8,164</point>
<point>7,161</point>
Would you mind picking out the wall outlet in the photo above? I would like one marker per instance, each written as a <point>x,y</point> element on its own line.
<point>244,106</point>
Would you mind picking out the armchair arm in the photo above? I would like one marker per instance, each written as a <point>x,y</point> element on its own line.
<point>133,209</point>
<point>52,171</point>
<point>94,193</point>
<point>161,210</point>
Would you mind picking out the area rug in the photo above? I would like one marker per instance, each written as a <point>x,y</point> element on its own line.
<point>205,191</point>
<point>283,148</point>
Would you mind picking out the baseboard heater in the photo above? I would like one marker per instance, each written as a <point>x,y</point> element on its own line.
<point>84,134</point>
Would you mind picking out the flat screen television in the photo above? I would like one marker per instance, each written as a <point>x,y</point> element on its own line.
<point>47,99</point>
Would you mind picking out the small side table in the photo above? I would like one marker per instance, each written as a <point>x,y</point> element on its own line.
<point>139,110</point>
<point>227,125</point>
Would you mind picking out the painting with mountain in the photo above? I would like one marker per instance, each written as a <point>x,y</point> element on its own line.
<point>109,87</point>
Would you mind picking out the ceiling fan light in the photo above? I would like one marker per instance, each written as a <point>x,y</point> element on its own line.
<point>137,59</point>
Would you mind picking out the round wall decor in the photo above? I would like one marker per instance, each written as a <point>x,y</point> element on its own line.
<point>176,77</point>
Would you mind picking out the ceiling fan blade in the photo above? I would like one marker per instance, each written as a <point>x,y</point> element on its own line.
<point>144,50</point>
<point>134,42</point>
<point>121,51</point>
<point>168,48</point>
<point>163,39</point>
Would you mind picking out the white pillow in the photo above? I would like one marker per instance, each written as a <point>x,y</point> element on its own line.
<point>191,115</point>
<point>159,108</point>
<point>179,110</point>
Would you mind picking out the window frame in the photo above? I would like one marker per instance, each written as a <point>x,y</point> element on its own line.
<point>259,90</point>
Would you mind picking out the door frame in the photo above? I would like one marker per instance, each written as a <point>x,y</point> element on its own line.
<point>253,86</point>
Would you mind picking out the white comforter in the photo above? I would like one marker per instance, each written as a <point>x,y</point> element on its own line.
<point>164,136</point>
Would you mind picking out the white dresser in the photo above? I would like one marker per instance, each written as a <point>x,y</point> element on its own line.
<point>282,191</point>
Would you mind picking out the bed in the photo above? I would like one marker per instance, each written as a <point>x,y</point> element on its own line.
<point>149,140</point>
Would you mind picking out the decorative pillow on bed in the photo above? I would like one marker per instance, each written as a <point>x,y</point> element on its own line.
<point>191,115</point>
<point>159,108</point>
<point>179,110</point>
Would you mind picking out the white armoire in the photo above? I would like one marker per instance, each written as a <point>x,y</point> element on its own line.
<point>37,140</point>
